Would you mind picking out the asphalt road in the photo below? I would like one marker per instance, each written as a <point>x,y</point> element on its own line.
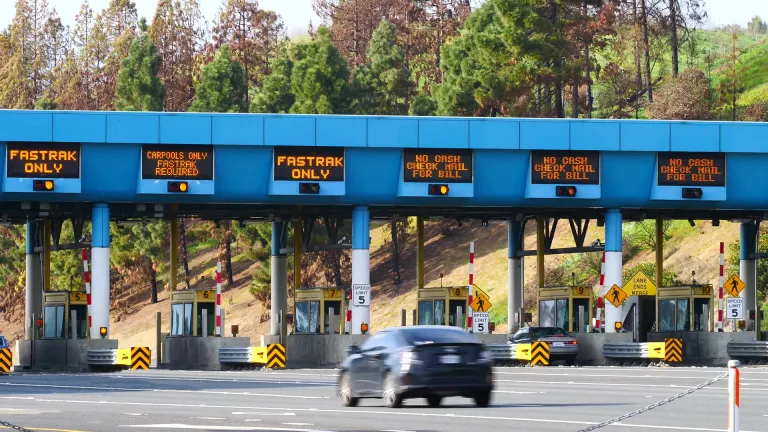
<point>527,399</point>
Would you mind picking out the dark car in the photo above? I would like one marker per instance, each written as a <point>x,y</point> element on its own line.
<point>3,342</point>
<point>432,362</point>
<point>562,346</point>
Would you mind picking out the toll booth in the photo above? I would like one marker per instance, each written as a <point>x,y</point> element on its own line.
<point>685,308</point>
<point>442,305</point>
<point>313,309</point>
<point>187,310</point>
<point>559,307</point>
<point>57,314</point>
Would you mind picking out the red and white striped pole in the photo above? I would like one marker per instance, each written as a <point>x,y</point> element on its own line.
<point>218,298</point>
<point>601,290</point>
<point>87,278</point>
<point>471,283</point>
<point>720,305</point>
<point>733,395</point>
<point>348,324</point>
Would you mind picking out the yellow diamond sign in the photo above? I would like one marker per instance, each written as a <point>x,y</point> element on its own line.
<point>616,296</point>
<point>640,285</point>
<point>734,285</point>
<point>481,302</point>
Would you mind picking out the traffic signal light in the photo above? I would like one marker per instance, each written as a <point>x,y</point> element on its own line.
<point>42,185</point>
<point>565,191</point>
<point>178,186</point>
<point>309,188</point>
<point>438,189</point>
<point>692,193</point>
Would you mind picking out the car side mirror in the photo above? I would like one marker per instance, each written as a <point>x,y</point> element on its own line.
<point>353,349</point>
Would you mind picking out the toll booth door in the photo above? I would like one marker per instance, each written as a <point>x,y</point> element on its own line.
<point>700,317</point>
<point>647,316</point>
<point>454,307</point>
<point>82,320</point>
<point>336,306</point>
<point>210,309</point>
<point>580,327</point>
<point>54,322</point>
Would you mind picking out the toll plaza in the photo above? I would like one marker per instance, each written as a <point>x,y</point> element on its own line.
<point>442,306</point>
<point>320,310</point>
<point>294,170</point>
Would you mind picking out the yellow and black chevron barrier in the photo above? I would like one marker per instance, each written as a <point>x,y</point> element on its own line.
<point>673,350</point>
<point>141,357</point>
<point>6,360</point>
<point>540,353</point>
<point>276,356</point>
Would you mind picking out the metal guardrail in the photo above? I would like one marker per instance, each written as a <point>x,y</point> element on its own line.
<point>235,355</point>
<point>102,357</point>
<point>502,352</point>
<point>629,350</point>
<point>743,350</point>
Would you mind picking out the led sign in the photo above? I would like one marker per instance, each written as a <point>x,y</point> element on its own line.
<point>309,163</point>
<point>437,165</point>
<point>43,160</point>
<point>565,167</point>
<point>691,169</point>
<point>184,162</point>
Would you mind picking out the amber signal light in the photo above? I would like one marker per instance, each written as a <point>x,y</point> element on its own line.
<point>43,185</point>
<point>178,187</point>
<point>439,189</point>
<point>565,191</point>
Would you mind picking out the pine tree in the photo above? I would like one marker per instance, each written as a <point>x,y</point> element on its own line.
<point>319,79</point>
<point>385,80</point>
<point>275,95</point>
<point>150,241</point>
<point>138,87</point>
<point>222,86</point>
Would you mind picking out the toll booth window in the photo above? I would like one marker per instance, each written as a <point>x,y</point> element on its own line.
<point>457,310</point>
<point>547,313</point>
<point>700,314</point>
<point>54,322</point>
<point>81,316</point>
<point>336,306</point>
<point>683,314</point>
<point>580,326</point>
<point>426,313</point>
<point>439,312</point>
<point>561,314</point>
<point>210,317</point>
<point>308,317</point>
<point>667,315</point>
<point>181,319</point>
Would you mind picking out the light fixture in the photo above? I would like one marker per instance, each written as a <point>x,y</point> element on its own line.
<point>690,221</point>
<point>716,222</point>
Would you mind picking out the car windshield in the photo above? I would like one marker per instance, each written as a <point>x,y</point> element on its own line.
<point>423,336</point>
<point>549,332</point>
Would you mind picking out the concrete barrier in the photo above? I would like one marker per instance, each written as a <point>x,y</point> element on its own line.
<point>197,353</point>
<point>591,346</point>
<point>319,350</point>
<point>58,354</point>
<point>704,348</point>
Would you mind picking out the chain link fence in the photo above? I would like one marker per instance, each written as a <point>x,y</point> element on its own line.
<point>655,405</point>
<point>14,427</point>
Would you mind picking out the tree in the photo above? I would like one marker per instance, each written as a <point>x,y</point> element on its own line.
<point>222,87</point>
<point>385,80</point>
<point>118,25</point>
<point>423,105</point>
<point>150,241</point>
<point>178,32</point>
<point>45,103</point>
<point>275,95</point>
<point>139,88</point>
<point>730,87</point>
<point>757,25</point>
<point>684,97</point>
<point>319,79</point>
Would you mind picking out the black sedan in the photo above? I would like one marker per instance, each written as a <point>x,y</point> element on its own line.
<point>432,362</point>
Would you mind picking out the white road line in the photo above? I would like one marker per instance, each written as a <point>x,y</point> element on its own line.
<point>263,414</point>
<point>517,392</point>
<point>216,428</point>
<point>252,420</point>
<point>210,418</point>
<point>359,411</point>
<point>134,414</point>
<point>249,381</point>
<point>395,430</point>
<point>165,390</point>
<point>583,383</point>
<point>298,424</point>
<point>613,375</point>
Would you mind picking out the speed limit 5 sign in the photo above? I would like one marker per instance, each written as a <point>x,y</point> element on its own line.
<point>361,295</point>
<point>734,308</point>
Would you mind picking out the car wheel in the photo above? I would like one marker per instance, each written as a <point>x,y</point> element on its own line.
<point>391,398</point>
<point>434,400</point>
<point>345,391</point>
<point>483,399</point>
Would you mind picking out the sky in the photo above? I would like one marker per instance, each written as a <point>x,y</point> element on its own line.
<point>298,13</point>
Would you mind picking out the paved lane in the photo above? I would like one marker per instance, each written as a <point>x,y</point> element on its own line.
<point>527,399</point>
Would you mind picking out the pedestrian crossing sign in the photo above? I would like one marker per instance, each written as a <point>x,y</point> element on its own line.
<point>734,285</point>
<point>616,295</point>
<point>481,302</point>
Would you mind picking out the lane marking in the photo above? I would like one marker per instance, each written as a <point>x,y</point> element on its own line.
<point>46,430</point>
<point>583,383</point>
<point>298,424</point>
<point>210,418</point>
<point>395,430</point>
<point>252,420</point>
<point>516,392</point>
<point>164,390</point>
<point>352,411</point>
<point>213,428</point>
<point>263,414</point>
<point>134,414</point>
<point>229,380</point>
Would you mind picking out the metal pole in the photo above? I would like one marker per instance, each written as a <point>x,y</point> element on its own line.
<point>402,318</point>
<point>223,328</point>
<point>581,327</point>
<point>733,395</point>
<point>174,253</point>
<point>47,256</point>
<point>204,324</point>
<point>540,251</point>
<point>73,324</point>
<point>158,340</point>
<point>282,328</point>
<point>413,317</point>
<point>419,252</point>
<point>659,251</point>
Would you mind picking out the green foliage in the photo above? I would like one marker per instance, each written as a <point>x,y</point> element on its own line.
<point>319,79</point>
<point>384,82</point>
<point>757,25</point>
<point>275,95</point>
<point>261,287</point>
<point>67,265</point>
<point>684,97</point>
<point>423,105</point>
<point>151,240</point>
<point>668,278</point>
<point>642,235</point>
<point>222,86</point>
<point>138,86</point>
<point>45,103</point>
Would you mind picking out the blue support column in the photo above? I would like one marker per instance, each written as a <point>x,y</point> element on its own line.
<point>34,289</point>
<point>514,277</point>
<point>361,268</point>
<point>279,281</point>
<point>100,243</point>
<point>613,265</point>
<point>748,271</point>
